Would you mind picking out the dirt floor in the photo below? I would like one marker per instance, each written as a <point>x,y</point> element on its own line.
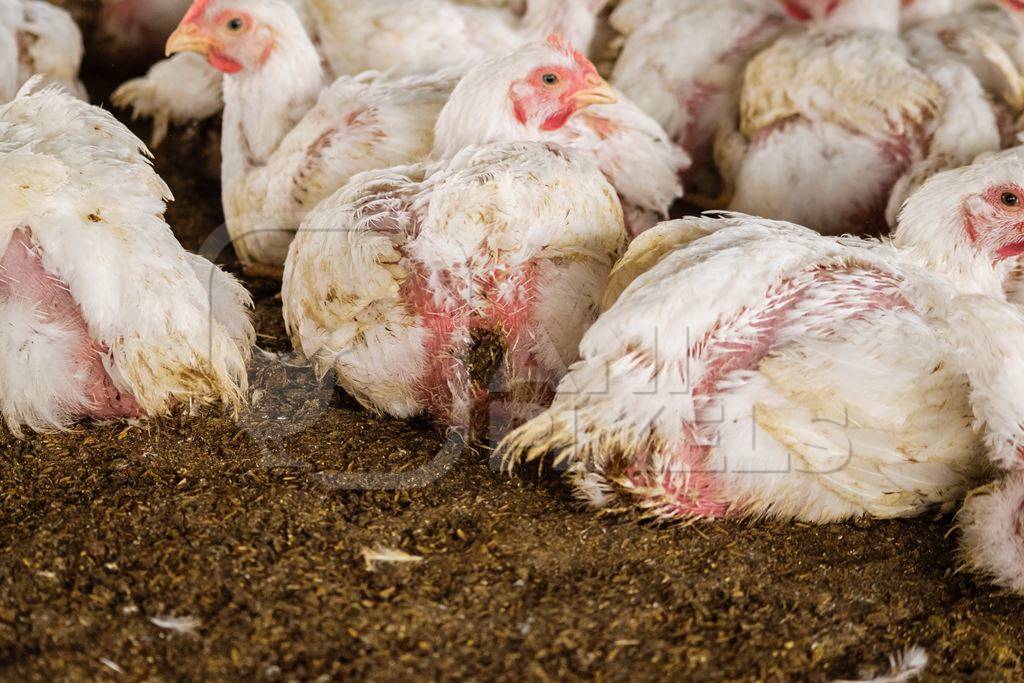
<point>249,536</point>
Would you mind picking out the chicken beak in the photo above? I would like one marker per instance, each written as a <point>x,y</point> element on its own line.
<point>597,92</point>
<point>187,38</point>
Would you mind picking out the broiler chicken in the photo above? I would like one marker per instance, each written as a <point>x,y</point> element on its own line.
<point>395,36</point>
<point>427,288</point>
<point>981,37</point>
<point>992,517</point>
<point>288,142</point>
<point>175,91</point>
<point>38,39</point>
<point>992,527</point>
<point>834,377</point>
<point>991,520</point>
<point>682,61</point>
<point>626,144</point>
<point>832,119</point>
<point>103,314</point>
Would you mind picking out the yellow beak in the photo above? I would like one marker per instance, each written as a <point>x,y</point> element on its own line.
<point>597,92</point>
<point>187,38</point>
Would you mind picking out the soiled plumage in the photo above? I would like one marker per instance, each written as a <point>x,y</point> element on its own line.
<point>105,315</point>
<point>752,367</point>
<point>989,38</point>
<point>419,285</point>
<point>860,81</point>
<point>991,523</point>
<point>682,61</point>
<point>399,279</point>
<point>832,119</point>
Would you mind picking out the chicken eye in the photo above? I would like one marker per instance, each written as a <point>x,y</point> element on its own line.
<point>549,79</point>
<point>1010,199</point>
<point>235,25</point>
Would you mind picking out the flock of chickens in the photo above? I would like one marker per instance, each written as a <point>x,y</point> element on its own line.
<point>469,221</point>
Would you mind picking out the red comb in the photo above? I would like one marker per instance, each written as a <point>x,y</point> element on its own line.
<point>559,43</point>
<point>197,10</point>
<point>556,41</point>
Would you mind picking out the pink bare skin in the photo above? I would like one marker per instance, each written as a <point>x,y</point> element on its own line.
<point>509,318</point>
<point>503,300</point>
<point>22,275</point>
<point>810,10</point>
<point>690,478</point>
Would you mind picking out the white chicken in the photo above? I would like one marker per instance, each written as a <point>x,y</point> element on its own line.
<point>682,61</point>
<point>753,367</point>
<point>992,526</point>
<point>991,46</point>
<point>288,142</point>
<point>425,287</point>
<point>37,38</point>
<point>992,518</point>
<point>393,36</point>
<point>175,91</point>
<point>103,314</point>
<point>832,119</point>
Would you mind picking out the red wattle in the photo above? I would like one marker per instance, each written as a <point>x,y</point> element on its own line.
<point>223,63</point>
<point>557,120</point>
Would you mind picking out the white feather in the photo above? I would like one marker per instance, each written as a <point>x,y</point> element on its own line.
<point>490,210</point>
<point>854,407</point>
<point>94,208</point>
<point>990,524</point>
<point>903,666</point>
